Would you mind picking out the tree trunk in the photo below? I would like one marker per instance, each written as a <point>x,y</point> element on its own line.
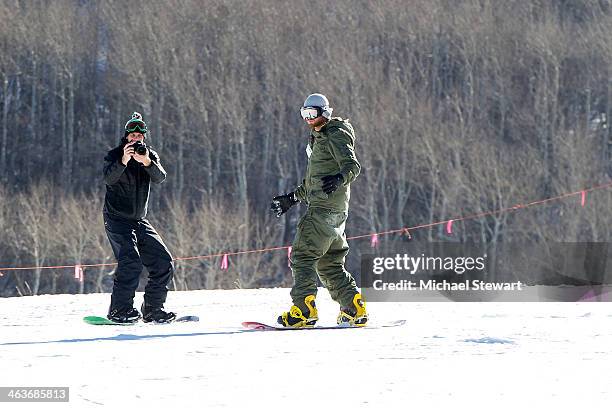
<point>3,142</point>
<point>37,273</point>
<point>607,148</point>
<point>34,99</point>
<point>69,157</point>
<point>179,159</point>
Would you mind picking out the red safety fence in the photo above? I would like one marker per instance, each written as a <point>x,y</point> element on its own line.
<point>78,269</point>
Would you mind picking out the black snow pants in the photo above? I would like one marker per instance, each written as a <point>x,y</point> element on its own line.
<point>136,244</point>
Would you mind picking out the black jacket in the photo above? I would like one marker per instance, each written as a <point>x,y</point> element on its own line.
<point>127,187</point>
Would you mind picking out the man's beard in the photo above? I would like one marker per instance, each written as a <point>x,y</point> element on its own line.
<point>317,123</point>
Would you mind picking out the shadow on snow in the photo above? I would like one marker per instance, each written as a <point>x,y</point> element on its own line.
<point>124,337</point>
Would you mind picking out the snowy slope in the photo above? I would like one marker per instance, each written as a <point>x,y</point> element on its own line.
<point>464,354</point>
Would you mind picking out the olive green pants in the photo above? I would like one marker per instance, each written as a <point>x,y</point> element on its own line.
<point>320,248</point>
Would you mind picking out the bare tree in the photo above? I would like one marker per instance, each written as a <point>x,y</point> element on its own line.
<point>32,234</point>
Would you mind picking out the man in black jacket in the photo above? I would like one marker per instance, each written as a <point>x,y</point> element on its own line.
<point>129,170</point>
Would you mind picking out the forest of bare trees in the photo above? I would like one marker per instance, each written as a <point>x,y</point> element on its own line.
<point>459,107</point>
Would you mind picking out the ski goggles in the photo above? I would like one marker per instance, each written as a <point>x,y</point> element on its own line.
<point>136,127</point>
<point>310,113</point>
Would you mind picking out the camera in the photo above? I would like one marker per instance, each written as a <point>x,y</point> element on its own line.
<point>140,148</point>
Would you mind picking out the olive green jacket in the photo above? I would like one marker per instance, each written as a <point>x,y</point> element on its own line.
<point>331,151</point>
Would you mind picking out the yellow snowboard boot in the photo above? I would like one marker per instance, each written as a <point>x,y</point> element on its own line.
<point>354,315</point>
<point>296,318</point>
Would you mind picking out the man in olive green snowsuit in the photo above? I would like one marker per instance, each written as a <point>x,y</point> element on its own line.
<point>320,245</point>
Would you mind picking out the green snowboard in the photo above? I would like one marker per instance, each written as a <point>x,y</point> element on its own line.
<point>99,320</point>
<point>103,321</point>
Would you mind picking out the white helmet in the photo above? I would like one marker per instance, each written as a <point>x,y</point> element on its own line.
<point>318,102</point>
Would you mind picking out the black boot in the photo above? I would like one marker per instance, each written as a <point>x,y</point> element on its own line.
<point>123,315</point>
<point>156,314</point>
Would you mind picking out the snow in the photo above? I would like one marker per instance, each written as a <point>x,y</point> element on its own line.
<point>464,354</point>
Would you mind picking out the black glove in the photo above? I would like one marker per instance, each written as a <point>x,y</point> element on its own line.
<point>331,183</point>
<point>282,204</point>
